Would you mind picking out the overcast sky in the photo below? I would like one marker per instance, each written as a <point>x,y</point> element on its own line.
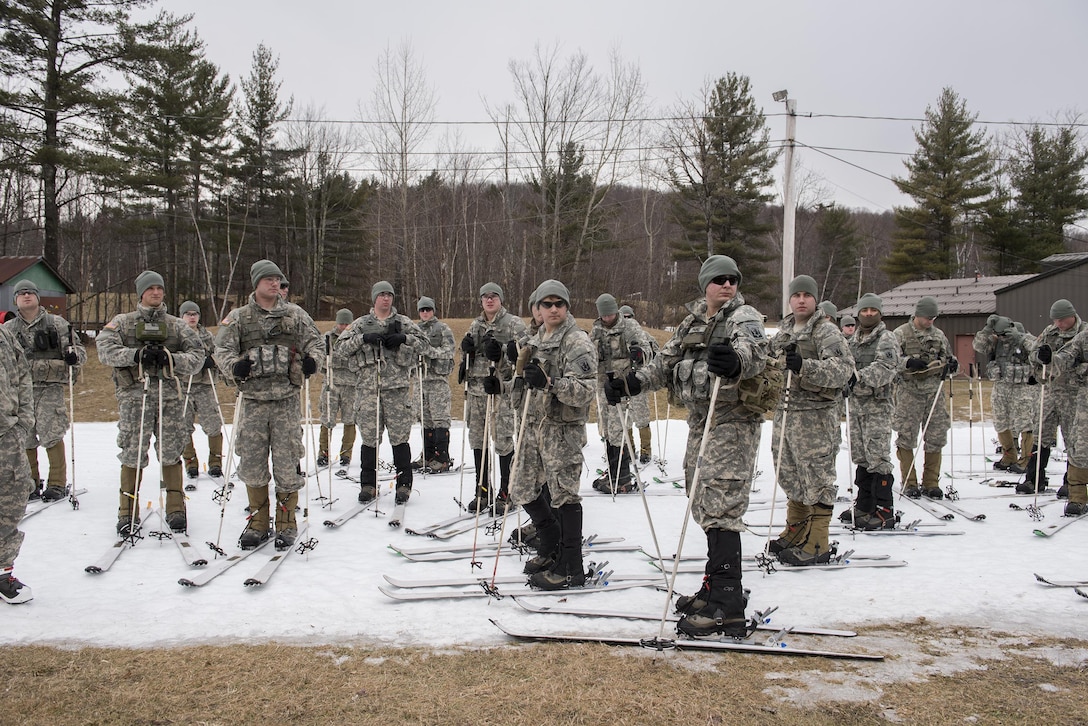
<point>1011,61</point>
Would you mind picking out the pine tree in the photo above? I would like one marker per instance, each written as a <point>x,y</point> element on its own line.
<point>950,182</point>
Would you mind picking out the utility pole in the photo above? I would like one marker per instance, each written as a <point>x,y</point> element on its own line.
<point>789,203</point>
<point>861,274</point>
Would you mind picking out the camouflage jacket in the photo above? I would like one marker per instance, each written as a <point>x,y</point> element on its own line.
<point>931,346</point>
<point>826,366</point>
<point>127,333</point>
<point>1071,361</point>
<point>45,339</point>
<point>16,389</point>
<point>438,355</point>
<point>876,359</point>
<point>369,361</point>
<point>568,358</point>
<point>614,346</point>
<point>1057,340</point>
<point>504,328</point>
<point>1005,357</point>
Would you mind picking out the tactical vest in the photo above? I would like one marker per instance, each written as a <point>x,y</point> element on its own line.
<point>271,342</point>
<point>130,375</point>
<point>1008,362</point>
<point>864,355</point>
<point>930,354</point>
<point>807,349</point>
<point>613,353</point>
<point>44,350</point>
<point>436,366</point>
<point>557,410</point>
<point>691,378</point>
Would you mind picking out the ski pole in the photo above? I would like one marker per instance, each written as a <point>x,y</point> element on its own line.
<point>330,383</point>
<point>971,418</point>
<point>223,493</point>
<point>464,436</point>
<point>139,457</point>
<point>850,448</point>
<point>513,474</point>
<point>1039,447</point>
<point>921,438</point>
<point>485,471</point>
<point>951,421</point>
<point>778,458</point>
<point>377,424</point>
<point>630,444</point>
<point>421,362</point>
<point>72,498</point>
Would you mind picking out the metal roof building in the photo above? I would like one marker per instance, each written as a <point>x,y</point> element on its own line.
<point>1029,301</point>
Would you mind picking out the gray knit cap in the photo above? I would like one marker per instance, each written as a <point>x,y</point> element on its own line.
<point>627,311</point>
<point>189,307</point>
<point>871,300</point>
<point>607,305</point>
<point>425,302</point>
<point>26,286</point>
<point>491,288</point>
<point>262,269</point>
<point>549,288</point>
<point>804,283</point>
<point>380,287</point>
<point>847,320</point>
<point>828,309</point>
<point>344,316</point>
<point>926,307</point>
<point>1062,309</point>
<point>714,266</point>
<point>1002,325</point>
<point>146,279</point>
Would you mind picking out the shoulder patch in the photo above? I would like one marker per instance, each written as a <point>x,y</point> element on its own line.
<point>753,329</point>
<point>225,321</point>
<point>110,325</point>
<point>583,364</point>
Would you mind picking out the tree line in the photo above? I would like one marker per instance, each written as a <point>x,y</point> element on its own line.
<point>122,147</point>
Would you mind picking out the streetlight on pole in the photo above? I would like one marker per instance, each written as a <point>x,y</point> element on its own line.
<point>788,202</point>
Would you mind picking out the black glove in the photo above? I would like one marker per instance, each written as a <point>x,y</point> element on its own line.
<point>71,358</point>
<point>638,357</point>
<point>209,363</point>
<point>242,368</point>
<point>534,375</point>
<point>492,385</point>
<point>393,327</point>
<point>614,391</point>
<point>154,356</point>
<point>853,381</point>
<point>1044,354</point>
<point>309,366</point>
<point>468,344</point>
<point>492,349</point>
<point>462,370</point>
<point>392,341</point>
<point>952,366</point>
<point>512,351</point>
<point>1032,381</point>
<point>793,359</point>
<point>722,360</point>
<point>916,364</point>
<point>372,338</point>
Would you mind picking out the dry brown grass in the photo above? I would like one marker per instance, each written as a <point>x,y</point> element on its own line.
<point>545,684</point>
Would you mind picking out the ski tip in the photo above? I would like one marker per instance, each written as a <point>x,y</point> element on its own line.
<point>252,582</point>
<point>395,524</point>
<point>199,563</point>
<point>186,582</point>
<point>93,569</point>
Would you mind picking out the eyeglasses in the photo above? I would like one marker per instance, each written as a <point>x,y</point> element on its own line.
<point>549,304</point>
<point>284,285</point>
<point>426,310</point>
<point>722,280</point>
<point>489,296</point>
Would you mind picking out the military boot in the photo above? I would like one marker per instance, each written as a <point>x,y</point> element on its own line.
<point>625,484</point>
<point>402,462</point>
<point>1009,456</point>
<point>817,548</point>
<point>723,611</point>
<point>347,444</point>
<point>56,485</point>
<point>645,449</point>
<point>798,523</point>
<point>286,529</point>
<point>908,472</point>
<point>547,532</point>
<point>257,529</point>
<point>567,570</point>
<point>32,459</point>
<point>931,475</point>
<point>368,476</point>
<point>440,455</point>
<point>603,483</point>
<point>883,514</point>
<point>1038,460</point>
<point>428,442</point>
<point>323,446</point>
<point>863,503</point>
<point>1027,445</point>
<point>215,455</point>
<point>1078,492</point>
<point>482,498</point>
<point>192,462</point>
<point>175,497</point>
<point>1063,490</point>
<point>128,510</point>
<point>502,499</point>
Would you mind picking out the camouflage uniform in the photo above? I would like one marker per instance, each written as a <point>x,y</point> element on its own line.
<point>1006,363</point>
<point>1071,362</point>
<point>138,388</point>
<point>394,370</point>
<point>337,403</point>
<point>914,398</point>
<point>202,401</point>
<point>16,423</point>
<point>277,341</point>
<point>726,472</point>
<point>437,361</point>
<point>1060,392</point>
<point>614,349</point>
<point>45,339</point>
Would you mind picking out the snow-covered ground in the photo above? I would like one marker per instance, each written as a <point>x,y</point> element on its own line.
<point>982,578</point>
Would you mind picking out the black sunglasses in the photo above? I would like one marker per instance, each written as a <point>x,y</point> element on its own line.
<point>722,280</point>
<point>548,304</point>
<point>284,285</point>
<point>426,310</point>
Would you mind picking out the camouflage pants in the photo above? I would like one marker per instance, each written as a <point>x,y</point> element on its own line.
<point>50,416</point>
<point>809,448</point>
<point>132,407</point>
<point>1059,409</point>
<point>613,419</point>
<point>436,404</point>
<point>1011,406</point>
<point>14,485</point>
<point>204,405</point>
<point>871,432</point>
<point>1076,445</point>
<point>725,476</point>
<point>337,404</point>
<point>912,406</point>
<point>270,427</point>
<point>550,454</point>
<point>640,410</point>
<point>503,423</point>
<point>396,411</point>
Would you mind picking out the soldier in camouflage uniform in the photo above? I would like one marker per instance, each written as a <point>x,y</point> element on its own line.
<point>1059,394</point>
<point>871,388</point>
<point>201,400</point>
<point>621,347</point>
<point>151,353</point>
<point>383,346</point>
<point>437,361</point>
<point>51,348</point>
<point>1072,362</point>
<point>267,348</point>
<point>721,337</point>
<point>1004,354</point>
<point>807,428</point>
<point>560,380</point>
<point>640,405</point>
<point>926,360</point>
<point>484,355</point>
<point>16,423</point>
<point>848,324</point>
<point>338,392</point>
